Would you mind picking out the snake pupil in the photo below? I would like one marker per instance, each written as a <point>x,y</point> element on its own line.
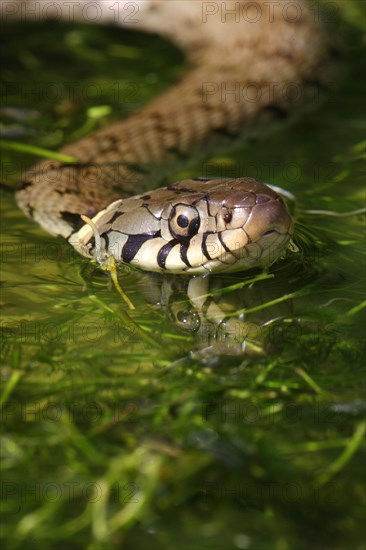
<point>182,221</point>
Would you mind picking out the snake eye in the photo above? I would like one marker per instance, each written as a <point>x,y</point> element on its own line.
<point>184,221</point>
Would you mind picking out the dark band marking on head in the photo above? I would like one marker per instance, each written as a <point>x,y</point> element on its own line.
<point>164,252</point>
<point>223,244</point>
<point>183,253</point>
<point>204,245</point>
<point>133,245</point>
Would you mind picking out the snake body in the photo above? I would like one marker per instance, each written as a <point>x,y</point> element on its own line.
<point>243,66</point>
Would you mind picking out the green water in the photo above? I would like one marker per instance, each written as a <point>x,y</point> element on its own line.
<point>120,429</point>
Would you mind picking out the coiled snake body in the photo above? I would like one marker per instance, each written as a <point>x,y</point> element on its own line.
<point>234,49</point>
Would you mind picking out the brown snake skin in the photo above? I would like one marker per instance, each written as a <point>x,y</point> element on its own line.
<point>261,50</point>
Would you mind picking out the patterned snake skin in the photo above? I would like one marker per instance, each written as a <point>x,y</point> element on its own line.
<point>249,63</point>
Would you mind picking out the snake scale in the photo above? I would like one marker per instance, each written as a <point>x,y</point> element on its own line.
<point>244,59</point>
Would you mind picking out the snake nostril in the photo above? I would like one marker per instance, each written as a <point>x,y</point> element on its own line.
<point>228,217</point>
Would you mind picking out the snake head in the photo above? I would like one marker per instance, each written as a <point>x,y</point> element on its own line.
<point>194,226</point>
<point>226,225</point>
